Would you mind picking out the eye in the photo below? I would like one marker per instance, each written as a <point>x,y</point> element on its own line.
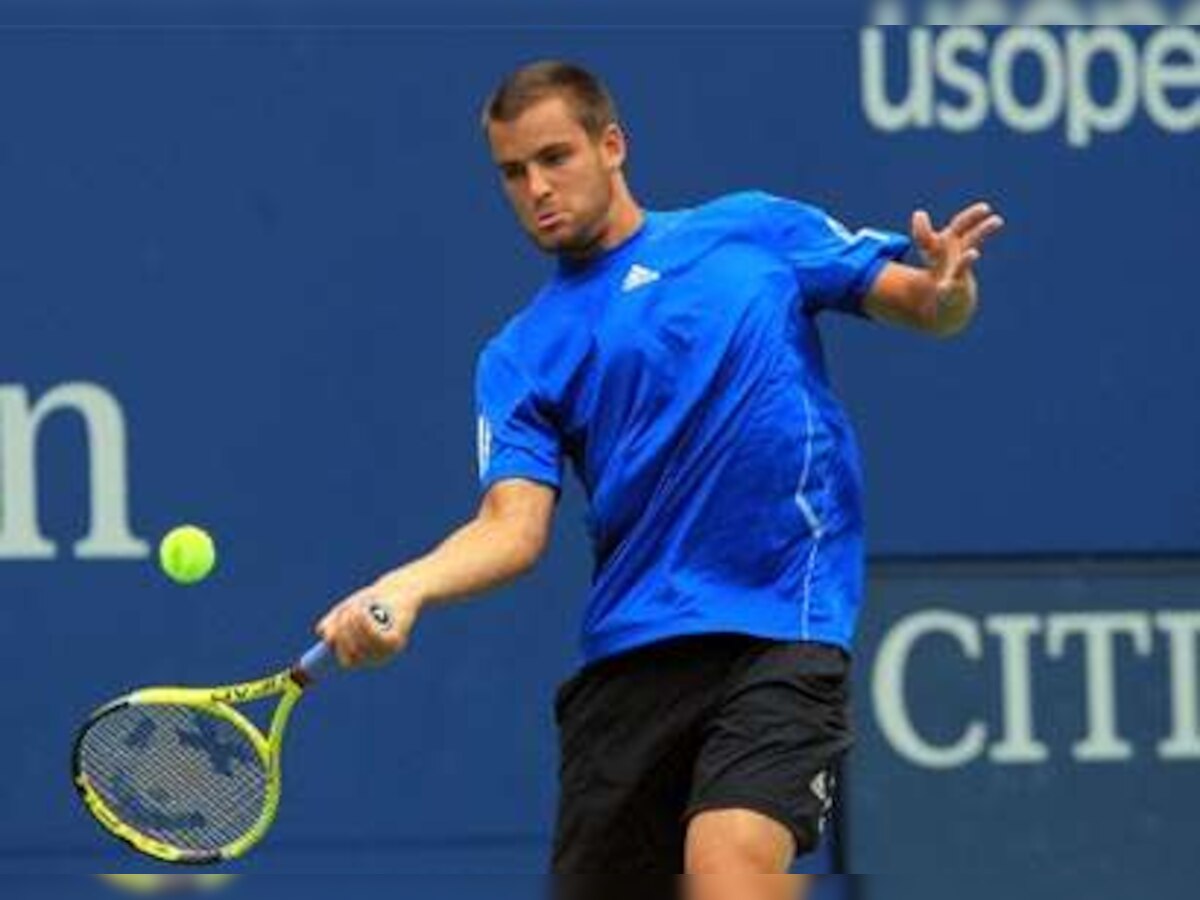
<point>556,157</point>
<point>512,171</point>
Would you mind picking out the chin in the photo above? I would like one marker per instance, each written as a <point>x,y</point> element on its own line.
<point>556,243</point>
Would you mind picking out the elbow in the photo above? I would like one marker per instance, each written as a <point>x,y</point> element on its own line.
<point>528,540</point>
<point>518,515</point>
<point>528,550</point>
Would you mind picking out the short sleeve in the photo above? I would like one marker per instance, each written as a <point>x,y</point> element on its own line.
<point>836,267</point>
<point>516,436</point>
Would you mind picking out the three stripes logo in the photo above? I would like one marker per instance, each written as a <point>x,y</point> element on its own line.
<point>638,277</point>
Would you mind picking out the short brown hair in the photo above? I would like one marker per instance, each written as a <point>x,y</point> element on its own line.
<point>586,94</point>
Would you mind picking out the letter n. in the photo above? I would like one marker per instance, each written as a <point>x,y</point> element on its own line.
<point>21,536</point>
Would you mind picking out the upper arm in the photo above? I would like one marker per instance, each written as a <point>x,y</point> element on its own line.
<point>520,452</point>
<point>834,266</point>
<point>525,507</point>
<point>516,428</point>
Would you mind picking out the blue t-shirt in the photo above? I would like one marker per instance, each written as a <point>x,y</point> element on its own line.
<point>682,375</point>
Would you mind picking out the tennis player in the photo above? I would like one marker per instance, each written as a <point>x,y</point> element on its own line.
<point>674,359</point>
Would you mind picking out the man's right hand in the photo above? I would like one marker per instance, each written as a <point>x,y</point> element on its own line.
<point>352,628</point>
<point>504,540</point>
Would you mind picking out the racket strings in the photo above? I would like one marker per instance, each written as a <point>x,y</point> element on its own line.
<point>177,774</point>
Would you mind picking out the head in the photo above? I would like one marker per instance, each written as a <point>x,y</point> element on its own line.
<point>557,143</point>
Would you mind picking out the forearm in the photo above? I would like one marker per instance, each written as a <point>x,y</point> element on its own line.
<point>505,539</point>
<point>484,554</point>
<point>912,297</point>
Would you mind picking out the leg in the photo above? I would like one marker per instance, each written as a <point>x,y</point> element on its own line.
<point>618,814</point>
<point>738,840</point>
<point>630,730</point>
<point>738,854</point>
<point>747,887</point>
<point>764,783</point>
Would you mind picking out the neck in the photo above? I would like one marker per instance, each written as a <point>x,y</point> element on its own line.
<point>624,219</point>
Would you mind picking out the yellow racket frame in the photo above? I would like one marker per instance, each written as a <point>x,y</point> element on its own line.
<point>219,702</point>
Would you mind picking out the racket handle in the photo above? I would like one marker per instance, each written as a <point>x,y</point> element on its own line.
<point>321,661</point>
<point>318,662</point>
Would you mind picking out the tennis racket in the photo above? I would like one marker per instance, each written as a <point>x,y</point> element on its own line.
<point>180,774</point>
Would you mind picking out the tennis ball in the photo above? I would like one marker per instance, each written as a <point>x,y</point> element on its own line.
<point>187,554</point>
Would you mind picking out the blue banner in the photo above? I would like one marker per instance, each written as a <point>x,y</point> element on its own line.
<point>244,276</point>
<point>1029,716</point>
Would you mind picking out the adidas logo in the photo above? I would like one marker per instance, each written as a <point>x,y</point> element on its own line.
<point>639,276</point>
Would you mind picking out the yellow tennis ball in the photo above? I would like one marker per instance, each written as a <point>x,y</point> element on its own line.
<point>187,554</point>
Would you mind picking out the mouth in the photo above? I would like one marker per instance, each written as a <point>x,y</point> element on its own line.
<point>550,221</point>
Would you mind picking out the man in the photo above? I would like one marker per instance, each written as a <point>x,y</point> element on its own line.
<point>673,358</point>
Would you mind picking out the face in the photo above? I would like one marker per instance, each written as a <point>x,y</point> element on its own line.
<point>558,178</point>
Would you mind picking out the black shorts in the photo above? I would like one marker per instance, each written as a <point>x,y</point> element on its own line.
<point>652,737</point>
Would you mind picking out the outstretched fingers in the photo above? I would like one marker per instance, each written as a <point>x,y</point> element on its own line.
<point>924,234</point>
<point>982,231</point>
<point>976,224</point>
<point>953,251</point>
<point>969,218</point>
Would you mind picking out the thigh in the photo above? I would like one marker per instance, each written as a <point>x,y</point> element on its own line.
<point>630,732</point>
<point>776,742</point>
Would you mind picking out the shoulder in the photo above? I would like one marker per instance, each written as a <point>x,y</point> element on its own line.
<point>753,203</point>
<point>716,218</point>
<point>522,338</point>
<point>737,205</point>
<point>754,210</point>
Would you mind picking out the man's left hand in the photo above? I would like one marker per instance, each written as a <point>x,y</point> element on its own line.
<point>951,253</point>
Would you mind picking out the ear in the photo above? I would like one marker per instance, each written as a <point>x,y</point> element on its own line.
<point>613,147</point>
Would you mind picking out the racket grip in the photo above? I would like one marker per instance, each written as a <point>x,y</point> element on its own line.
<point>321,661</point>
<point>318,662</point>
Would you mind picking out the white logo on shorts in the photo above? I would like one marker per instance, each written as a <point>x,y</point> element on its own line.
<point>822,787</point>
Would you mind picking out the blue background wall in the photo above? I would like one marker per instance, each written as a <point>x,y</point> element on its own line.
<point>280,250</point>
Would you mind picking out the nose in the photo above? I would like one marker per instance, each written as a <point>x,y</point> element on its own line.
<point>538,184</point>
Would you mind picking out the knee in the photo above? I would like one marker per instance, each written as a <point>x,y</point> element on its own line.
<point>738,841</point>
